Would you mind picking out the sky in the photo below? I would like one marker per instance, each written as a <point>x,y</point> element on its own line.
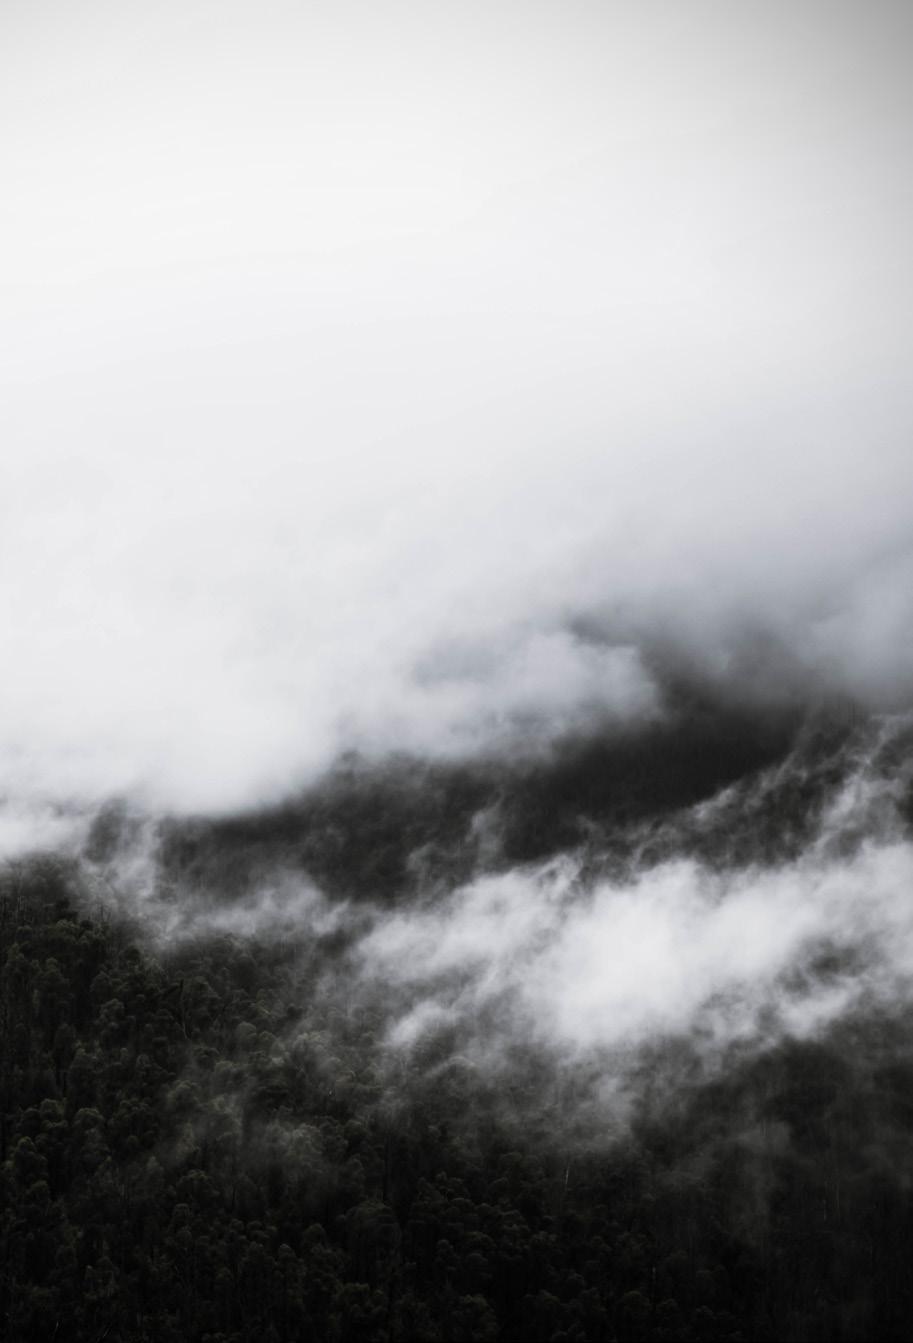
<point>394,376</point>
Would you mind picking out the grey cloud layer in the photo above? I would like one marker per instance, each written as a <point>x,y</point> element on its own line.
<point>352,364</point>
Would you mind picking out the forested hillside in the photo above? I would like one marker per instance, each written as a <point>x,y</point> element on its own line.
<point>456,671</point>
<point>210,1136</point>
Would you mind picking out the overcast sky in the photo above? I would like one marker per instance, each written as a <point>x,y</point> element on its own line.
<point>350,354</point>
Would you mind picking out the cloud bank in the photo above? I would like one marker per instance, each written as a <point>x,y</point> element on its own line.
<point>398,378</point>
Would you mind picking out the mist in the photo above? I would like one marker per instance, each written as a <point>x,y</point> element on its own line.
<point>400,379</point>
<point>775,909</point>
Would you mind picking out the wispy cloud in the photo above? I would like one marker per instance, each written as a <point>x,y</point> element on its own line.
<point>681,935</point>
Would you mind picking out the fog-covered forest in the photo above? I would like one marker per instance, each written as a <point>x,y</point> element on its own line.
<point>227,1116</point>
<point>456,671</point>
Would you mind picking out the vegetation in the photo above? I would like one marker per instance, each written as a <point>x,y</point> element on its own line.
<point>198,1144</point>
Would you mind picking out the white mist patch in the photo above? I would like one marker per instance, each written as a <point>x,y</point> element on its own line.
<point>279,906</point>
<point>678,951</point>
<point>495,697</point>
<point>721,954</point>
<point>33,825</point>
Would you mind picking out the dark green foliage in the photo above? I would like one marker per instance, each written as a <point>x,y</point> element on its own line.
<point>202,1145</point>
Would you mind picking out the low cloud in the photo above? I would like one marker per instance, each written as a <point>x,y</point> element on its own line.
<point>680,952</point>
<point>682,933</point>
<point>349,384</point>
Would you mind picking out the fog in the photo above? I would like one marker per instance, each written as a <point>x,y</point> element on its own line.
<point>674,955</point>
<point>601,952</point>
<point>450,382</point>
<point>395,377</point>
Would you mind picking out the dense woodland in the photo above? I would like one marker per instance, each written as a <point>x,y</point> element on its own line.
<point>196,1146</point>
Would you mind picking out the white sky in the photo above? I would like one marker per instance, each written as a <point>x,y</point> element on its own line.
<point>347,351</point>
